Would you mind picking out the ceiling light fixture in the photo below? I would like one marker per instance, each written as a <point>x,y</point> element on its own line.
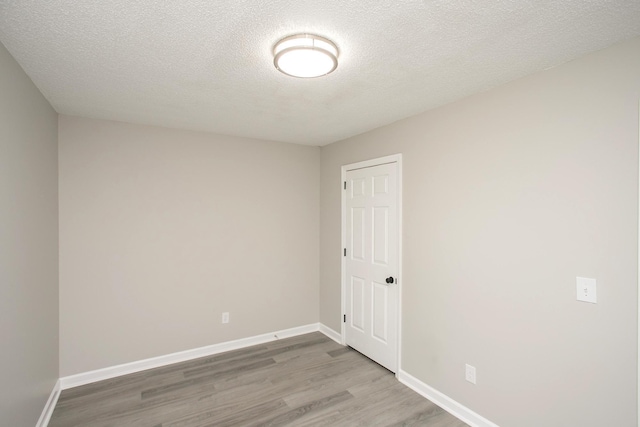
<point>305,55</point>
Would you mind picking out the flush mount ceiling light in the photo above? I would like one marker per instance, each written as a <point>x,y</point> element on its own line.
<point>305,55</point>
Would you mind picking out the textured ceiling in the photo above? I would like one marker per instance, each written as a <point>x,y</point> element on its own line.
<point>207,64</point>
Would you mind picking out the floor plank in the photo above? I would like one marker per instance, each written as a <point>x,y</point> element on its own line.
<point>307,380</point>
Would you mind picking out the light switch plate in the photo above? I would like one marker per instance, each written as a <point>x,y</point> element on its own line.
<point>586,290</point>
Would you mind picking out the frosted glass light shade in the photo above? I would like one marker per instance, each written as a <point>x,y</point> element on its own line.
<point>305,55</point>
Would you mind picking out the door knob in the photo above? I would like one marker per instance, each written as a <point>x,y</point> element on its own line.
<point>390,280</point>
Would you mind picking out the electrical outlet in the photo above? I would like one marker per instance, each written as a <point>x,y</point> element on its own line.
<point>225,317</point>
<point>470,373</point>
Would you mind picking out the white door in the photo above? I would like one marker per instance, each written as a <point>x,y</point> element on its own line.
<point>371,262</point>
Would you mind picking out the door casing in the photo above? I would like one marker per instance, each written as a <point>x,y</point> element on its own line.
<point>394,158</point>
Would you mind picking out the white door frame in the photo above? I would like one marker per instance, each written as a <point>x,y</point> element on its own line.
<point>394,158</point>
<point>638,308</point>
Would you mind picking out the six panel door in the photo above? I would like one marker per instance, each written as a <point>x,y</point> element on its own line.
<point>371,266</point>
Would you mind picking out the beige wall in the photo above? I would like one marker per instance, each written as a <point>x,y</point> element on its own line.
<point>508,196</point>
<point>163,230</point>
<point>28,247</point>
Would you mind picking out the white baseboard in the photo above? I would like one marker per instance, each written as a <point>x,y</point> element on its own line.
<point>291,332</point>
<point>331,333</point>
<point>445,402</point>
<point>182,356</point>
<point>50,406</point>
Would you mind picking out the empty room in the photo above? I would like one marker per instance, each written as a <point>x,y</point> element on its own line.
<point>295,213</point>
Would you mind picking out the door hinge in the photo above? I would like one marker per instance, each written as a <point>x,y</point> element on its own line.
<point>344,252</point>
<point>344,318</point>
<point>345,185</point>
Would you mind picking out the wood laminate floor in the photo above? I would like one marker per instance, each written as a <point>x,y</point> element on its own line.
<point>307,380</point>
